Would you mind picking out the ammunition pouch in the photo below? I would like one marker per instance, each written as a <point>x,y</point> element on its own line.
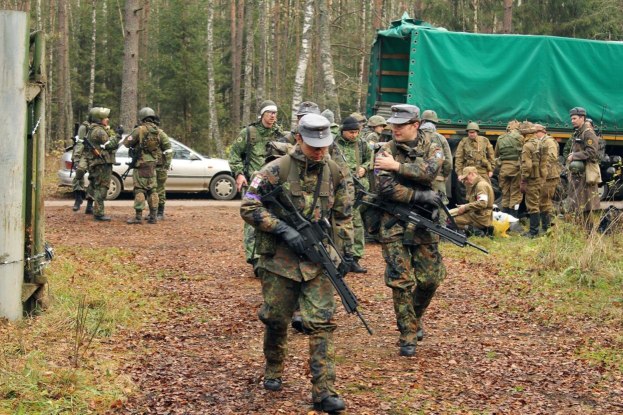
<point>147,170</point>
<point>265,243</point>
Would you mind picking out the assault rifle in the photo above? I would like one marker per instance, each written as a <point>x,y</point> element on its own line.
<point>135,154</point>
<point>73,148</point>
<point>406,214</point>
<point>315,235</point>
<point>95,150</point>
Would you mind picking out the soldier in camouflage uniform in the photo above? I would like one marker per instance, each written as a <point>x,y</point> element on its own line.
<point>405,169</point>
<point>533,169</point>
<point>354,156</point>
<point>247,155</point>
<point>474,150</point>
<point>288,280</point>
<point>429,128</point>
<point>552,177</point>
<point>508,153</point>
<point>77,182</point>
<point>335,128</point>
<point>306,107</point>
<point>376,124</point>
<point>148,143</point>
<point>163,165</point>
<point>100,146</point>
<point>477,213</point>
<point>584,149</point>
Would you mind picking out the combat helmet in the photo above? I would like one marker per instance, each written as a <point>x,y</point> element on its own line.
<point>98,114</point>
<point>430,115</point>
<point>376,120</point>
<point>472,126</point>
<point>512,125</point>
<point>146,112</point>
<point>526,127</point>
<point>308,107</point>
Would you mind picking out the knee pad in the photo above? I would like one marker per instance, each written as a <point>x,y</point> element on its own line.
<point>80,174</point>
<point>139,197</point>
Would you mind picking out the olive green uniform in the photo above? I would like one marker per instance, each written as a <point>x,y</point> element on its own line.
<point>552,178</point>
<point>414,267</point>
<point>246,156</point>
<point>479,208</point>
<point>163,165</point>
<point>508,154</point>
<point>351,155</point>
<point>287,280</point>
<point>100,167</point>
<point>476,152</point>
<point>584,197</point>
<point>79,162</point>
<point>531,172</point>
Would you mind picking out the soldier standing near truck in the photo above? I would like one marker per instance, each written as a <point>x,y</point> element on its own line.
<point>552,176</point>
<point>508,153</point>
<point>474,150</point>
<point>533,170</point>
<point>405,169</point>
<point>77,182</point>
<point>429,127</point>
<point>320,191</point>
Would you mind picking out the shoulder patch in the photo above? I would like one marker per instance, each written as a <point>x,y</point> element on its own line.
<point>590,142</point>
<point>439,154</point>
<point>256,182</point>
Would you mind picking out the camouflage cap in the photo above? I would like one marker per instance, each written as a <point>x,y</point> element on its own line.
<point>404,113</point>
<point>377,120</point>
<point>577,111</point>
<point>359,117</point>
<point>469,169</point>
<point>315,130</point>
<point>308,107</point>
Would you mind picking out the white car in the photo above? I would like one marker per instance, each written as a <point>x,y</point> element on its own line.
<point>190,172</point>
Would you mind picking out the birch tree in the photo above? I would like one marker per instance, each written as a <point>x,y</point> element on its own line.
<point>129,82</point>
<point>214,132</point>
<point>93,48</point>
<point>303,60</point>
<point>326,58</point>
<point>249,57</point>
<point>65,112</point>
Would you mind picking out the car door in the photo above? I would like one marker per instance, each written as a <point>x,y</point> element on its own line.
<point>189,170</point>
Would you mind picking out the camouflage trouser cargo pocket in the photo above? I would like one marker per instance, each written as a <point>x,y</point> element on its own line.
<point>147,170</point>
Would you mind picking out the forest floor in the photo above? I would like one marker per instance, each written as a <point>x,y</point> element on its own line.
<point>490,346</point>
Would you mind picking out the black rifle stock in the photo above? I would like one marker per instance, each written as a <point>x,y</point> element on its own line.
<point>314,234</point>
<point>73,148</point>
<point>406,214</point>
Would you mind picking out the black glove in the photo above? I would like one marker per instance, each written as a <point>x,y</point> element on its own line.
<point>426,197</point>
<point>119,130</point>
<point>291,237</point>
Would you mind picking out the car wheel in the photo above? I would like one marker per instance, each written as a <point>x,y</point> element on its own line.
<point>114,190</point>
<point>223,187</point>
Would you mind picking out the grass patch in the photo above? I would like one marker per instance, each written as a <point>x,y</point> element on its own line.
<point>65,360</point>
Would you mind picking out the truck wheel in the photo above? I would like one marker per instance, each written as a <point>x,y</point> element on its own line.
<point>114,190</point>
<point>223,187</point>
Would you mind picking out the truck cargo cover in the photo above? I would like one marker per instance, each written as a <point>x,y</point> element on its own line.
<point>492,79</point>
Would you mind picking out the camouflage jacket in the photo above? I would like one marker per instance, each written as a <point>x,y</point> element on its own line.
<point>553,166</point>
<point>99,135</point>
<point>351,155</point>
<point>159,152</point>
<point>334,203</point>
<point>420,162</point>
<point>258,137</point>
<point>480,202</point>
<point>477,153</point>
<point>441,141</point>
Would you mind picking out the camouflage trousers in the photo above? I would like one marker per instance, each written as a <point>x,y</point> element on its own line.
<point>77,185</point>
<point>144,189</point>
<point>533,194</point>
<point>315,297</point>
<point>511,194</point>
<point>161,180</point>
<point>413,272</point>
<point>359,241</point>
<point>99,181</point>
<point>248,241</point>
<point>546,204</point>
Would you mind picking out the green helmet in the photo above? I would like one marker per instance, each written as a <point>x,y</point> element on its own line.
<point>430,115</point>
<point>376,120</point>
<point>146,112</point>
<point>472,126</point>
<point>577,166</point>
<point>98,114</point>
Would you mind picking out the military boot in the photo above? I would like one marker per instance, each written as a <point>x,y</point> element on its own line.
<point>545,221</point>
<point>330,404</point>
<point>420,329</point>
<point>535,221</point>
<point>102,218</point>
<point>137,219</point>
<point>78,201</point>
<point>356,267</point>
<point>160,215</point>
<point>153,218</point>
<point>297,323</point>
<point>273,384</point>
<point>407,350</point>
<point>89,209</point>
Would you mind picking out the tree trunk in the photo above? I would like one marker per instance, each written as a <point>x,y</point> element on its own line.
<point>262,23</point>
<point>65,113</point>
<point>237,33</point>
<point>508,17</point>
<point>475,6</point>
<point>378,14</point>
<point>143,53</point>
<point>330,90</point>
<point>364,53</point>
<point>214,132</point>
<point>248,65</point>
<point>93,47</point>
<point>301,67</point>
<point>129,81</point>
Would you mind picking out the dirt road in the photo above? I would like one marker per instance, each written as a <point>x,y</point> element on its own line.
<point>487,349</point>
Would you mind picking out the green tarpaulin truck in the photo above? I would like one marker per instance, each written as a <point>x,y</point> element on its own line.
<point>491,79</point>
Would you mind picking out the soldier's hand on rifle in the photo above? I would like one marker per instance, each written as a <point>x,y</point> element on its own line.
<point>385,161</point>
<point>426,197</point>
<point>241,181</point>
<point>291,237</point>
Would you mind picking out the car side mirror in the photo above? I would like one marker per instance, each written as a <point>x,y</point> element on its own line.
<point>194,157</point>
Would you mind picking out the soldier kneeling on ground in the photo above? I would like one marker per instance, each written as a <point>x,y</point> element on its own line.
<point>476,214</point>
